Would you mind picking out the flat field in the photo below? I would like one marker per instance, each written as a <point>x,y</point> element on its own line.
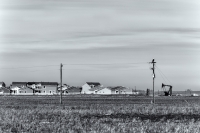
<point>99,114</point>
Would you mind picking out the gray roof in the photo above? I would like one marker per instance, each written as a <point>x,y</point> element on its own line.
<point>30,83</point>
<point>49,83</point>
<point>93,83</point>
<point>18,83</point>
<point>118,88</point>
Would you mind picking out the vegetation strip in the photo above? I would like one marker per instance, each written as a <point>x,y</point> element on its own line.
<point>151,117</point>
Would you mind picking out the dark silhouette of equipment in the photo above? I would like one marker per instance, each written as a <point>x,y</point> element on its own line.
<point>167,92</point>
<point>148,92</point>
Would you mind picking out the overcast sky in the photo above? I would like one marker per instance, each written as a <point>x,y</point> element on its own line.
<point>112,33</point>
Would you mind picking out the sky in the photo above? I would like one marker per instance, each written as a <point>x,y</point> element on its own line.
<point>107,41</point>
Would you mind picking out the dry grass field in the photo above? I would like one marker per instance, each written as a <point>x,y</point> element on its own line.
<point>89,114</point>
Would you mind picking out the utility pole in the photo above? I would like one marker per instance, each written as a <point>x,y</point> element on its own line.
<point>153,62</point>
<point>61,83</point>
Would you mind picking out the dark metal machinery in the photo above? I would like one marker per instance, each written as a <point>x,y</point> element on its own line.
<point>167,92</point>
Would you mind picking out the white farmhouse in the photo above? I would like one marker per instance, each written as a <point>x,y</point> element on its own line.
<point>86,88</point>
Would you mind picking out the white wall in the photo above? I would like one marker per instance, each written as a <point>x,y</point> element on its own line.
<point>85,89</point>
<point>26,91</point>
<point>16,89</point>
<point>104,91</point>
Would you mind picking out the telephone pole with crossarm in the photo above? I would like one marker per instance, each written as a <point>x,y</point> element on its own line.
<point>153,62</point>
<point>61,83</point>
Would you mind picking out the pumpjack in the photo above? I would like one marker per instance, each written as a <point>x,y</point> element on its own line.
<point>167,92</point>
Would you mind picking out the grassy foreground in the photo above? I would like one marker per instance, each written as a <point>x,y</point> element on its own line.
<point>21,114</point>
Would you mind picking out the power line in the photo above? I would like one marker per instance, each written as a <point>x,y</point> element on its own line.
<point>27,71</point>
<point>163,74</point>
<point>29,67</point>
<point>43,70</point>
<point>105,63</point>
<point>73,64</point>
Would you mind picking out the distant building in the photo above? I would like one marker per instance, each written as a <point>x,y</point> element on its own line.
<point>118,90</point>
<point>21,90</point>
<point>121,90</point>
<point>18,84</point>
<point>25,91</point>
<point>34,85</point>
<point>103,91</point>
<point>86,88</point>
<point>49,88</point>
<point>40,88</point>
<point>64,88</point>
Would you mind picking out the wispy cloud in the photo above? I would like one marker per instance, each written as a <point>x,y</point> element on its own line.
<point>108,31</point>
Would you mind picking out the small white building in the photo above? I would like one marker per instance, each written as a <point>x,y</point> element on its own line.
<point>65,87</point>
<point>21,91</point>
<point>16,86</point>
<point>104,91</point>
<point>100,90</point>
<point>48,88</point>
<point>87,87</point>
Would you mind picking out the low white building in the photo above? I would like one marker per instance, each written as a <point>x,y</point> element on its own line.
<point>87,87</point>
<point>21,91</point>
<point>65,87</point>
<point>104,91</point>
<point>100,90</point>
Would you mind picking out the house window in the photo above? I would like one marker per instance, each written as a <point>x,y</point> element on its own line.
<point>116,91</point>
<point>44,86</point>
<point>24,91</point>
<point>44,91</point>
<point>49,91</point>
<point>92,86</point>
